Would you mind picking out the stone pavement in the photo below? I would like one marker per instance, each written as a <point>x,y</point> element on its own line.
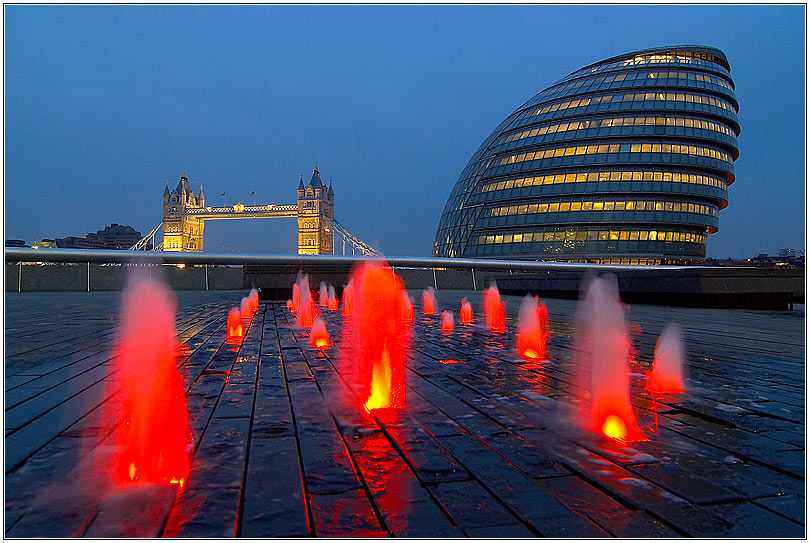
<point>484,448</point>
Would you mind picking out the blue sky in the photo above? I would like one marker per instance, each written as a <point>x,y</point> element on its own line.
<point>103,104</point>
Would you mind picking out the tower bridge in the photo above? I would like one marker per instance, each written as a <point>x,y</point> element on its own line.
<point>185,213</point>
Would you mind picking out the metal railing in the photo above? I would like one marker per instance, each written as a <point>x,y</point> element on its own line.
<point>239,259</point>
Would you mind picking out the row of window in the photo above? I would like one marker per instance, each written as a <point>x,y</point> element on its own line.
<point>618,148</point>
<point>591,235</point>
<point>606,205</point>
<point>620,121</point>
<point>631,76</point>
<point>634,261</point>
<point>608,175</point>
<point>635,96</point>
<point>641,60</point>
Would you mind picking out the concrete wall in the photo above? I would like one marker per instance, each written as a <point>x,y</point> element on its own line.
<point>62,277</point>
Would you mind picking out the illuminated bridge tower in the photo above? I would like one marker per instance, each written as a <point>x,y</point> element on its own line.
<point>316,213</point>
<point>180,231</point>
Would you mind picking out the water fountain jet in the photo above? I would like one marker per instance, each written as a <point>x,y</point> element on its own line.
<point>667,374</point>
<point>465,314</point>
<point>532,328</point>
<point>429,301</point>
<point>447,321</point>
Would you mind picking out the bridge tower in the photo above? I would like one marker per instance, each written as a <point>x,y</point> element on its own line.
<point>181,232</point>
<point>316,213</point>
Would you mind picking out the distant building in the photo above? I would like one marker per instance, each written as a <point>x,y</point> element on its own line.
<point>625,161</point>
<point>44,243</point>
<point>15,243</point>
<point>786,253</point>
<point>115,236</point>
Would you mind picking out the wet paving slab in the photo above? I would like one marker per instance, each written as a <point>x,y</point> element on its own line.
<point>486,446</point>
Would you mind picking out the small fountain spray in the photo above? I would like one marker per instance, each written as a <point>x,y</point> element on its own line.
<point>253,296</point>
<point>245,310</point>
<point>333,301</point>
<point>447,321</point>
<point>235,327</point>
<point>296,297</point>
<point>407,307</point>
<point>318,336</point>
<point>429,301</point>
<point>306,311</point>
<point>376,339</point>
<point>465,315</point>
<point>494,311</point>
<point>348,299</point>
<point>532,328</point>
<point>601,356</point>
<point>667,373</point>
<point>323,295</point>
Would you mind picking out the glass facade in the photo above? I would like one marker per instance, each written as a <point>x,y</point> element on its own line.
<point>627,160</point>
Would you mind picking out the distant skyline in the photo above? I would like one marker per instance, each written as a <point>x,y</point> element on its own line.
<point>104,104</point>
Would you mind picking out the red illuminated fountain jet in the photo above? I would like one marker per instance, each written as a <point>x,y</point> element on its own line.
<point>494,312</point>
<point>235,326</point>
<point>447,321</point>
<point>601,350</point>
<point>532,328</point>
<point>377,337</point>
<point>152,434</point>
<point>323,295</point>
<point>348,299</point>
<point>333,301</point>
<point>429,301</point>
<point>465,315</point>
<point>307,313</point>
<point>667,374</point>
<point>318,336</point>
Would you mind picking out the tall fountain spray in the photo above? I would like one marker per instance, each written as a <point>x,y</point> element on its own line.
<point>306,311</point>
<point>323,295</point>
<point>601,352</point>
<point>376,339</point>
<point>153,433</point>
<point>348,299</point>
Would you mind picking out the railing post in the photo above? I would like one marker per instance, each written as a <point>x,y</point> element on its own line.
<point>88,276</point>
<point>19,277</point>
<point>206,277</point>
<point>472,270</point>
<point>435,284</point>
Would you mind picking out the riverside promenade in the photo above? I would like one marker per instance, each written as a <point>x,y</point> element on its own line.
<point>486,446</point>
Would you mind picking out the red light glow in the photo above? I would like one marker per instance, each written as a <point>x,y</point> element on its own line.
<point>318,336</point>
<point>465,315</point>
<point>150,443</point>
<point>614,428</point>
<point>447,321</point>
<point>348,304</point>
<point>296,298</point>
<point>428,302</point>
<point>407,307</point>
<point>376,337</point>
<point>235,330</point>
<point>494,311</point>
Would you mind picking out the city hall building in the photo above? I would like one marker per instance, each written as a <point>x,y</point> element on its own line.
<point>625,161</point>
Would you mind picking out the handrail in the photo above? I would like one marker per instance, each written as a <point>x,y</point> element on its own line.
<point>14,254</point>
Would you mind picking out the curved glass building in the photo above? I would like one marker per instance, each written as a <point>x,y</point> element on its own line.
<point>625,161</point>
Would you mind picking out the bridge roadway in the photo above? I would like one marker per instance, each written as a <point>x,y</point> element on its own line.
<point>481,450</point>
<point>244,212</point>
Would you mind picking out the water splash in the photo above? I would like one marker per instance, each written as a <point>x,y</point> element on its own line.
<point>376,339</point>
<point>253,296</point>
<point>532,328</point>
<point>407,307</point>
<point>323,295</point>
<point>601,358</point>
<point>465,315</point>
<point>667,373</point>
<point>245,310</point>
<point>296,297</point>
<point>318,336</point>
<point>447,321</point>
<point>153,433</point>
<point>348,299</point>
<point>333,301</point>
<point>429,301</point>
<point>235,327</point>
<point>494,311</point>
<point>307,313</point>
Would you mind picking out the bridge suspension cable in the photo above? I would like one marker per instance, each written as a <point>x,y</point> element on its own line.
<point>355,242</point>
<point>143,243</point>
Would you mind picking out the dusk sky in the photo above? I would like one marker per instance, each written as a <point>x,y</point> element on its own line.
<point>104,104</point>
